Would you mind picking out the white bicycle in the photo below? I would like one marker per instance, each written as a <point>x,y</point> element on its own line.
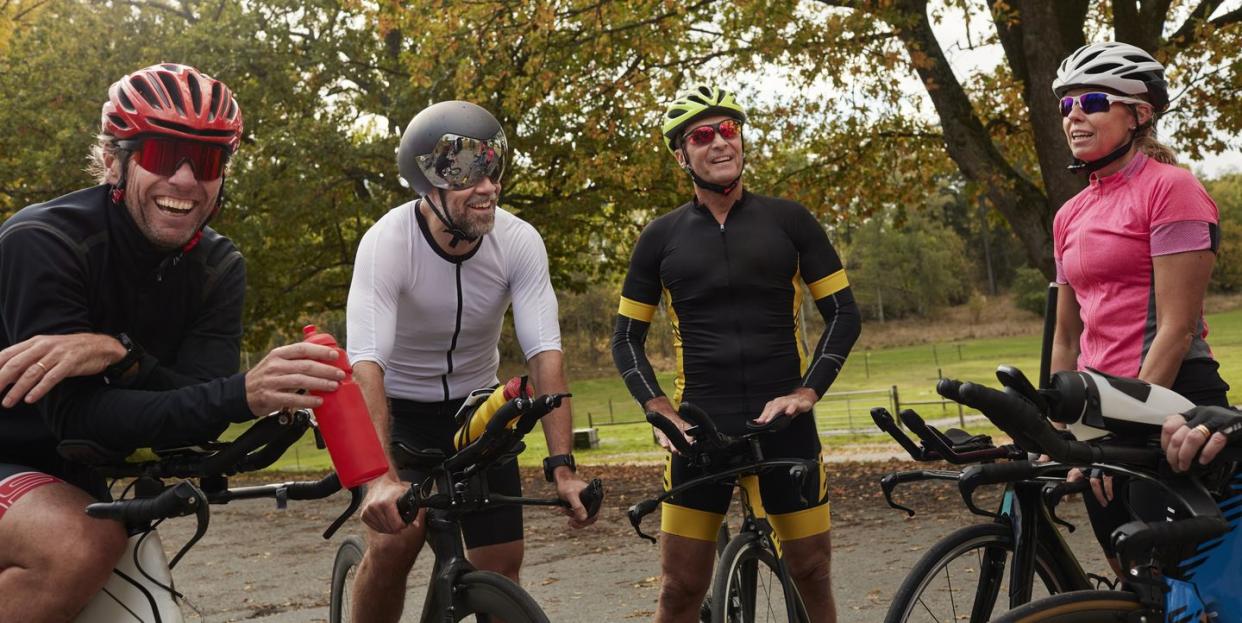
<point>141,588</point>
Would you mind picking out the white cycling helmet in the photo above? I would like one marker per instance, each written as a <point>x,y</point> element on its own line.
<point>1113,65</point>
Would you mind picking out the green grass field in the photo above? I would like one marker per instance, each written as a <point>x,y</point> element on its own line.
<point>913,371</point>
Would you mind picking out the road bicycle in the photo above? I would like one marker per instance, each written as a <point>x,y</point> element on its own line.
<point>1186,569</point>
<point>751,582</point>
<point>456,485</point>
<point>960,578</point>
<point>141,587</point>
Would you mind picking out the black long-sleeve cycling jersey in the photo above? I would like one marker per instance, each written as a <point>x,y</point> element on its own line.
<point>734,295</point>
<point>79,264</point>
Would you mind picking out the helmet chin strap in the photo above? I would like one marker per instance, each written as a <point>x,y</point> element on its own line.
<point>458,233</point>
<point>1080,166</point>
<point>723,189</point>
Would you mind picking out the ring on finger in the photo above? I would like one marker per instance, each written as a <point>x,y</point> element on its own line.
<point>40,364</point>
<point>1207,433</point>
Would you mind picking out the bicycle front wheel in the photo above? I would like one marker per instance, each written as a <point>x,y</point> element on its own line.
<point>1079,607</point>
<point>485,597</point>
<point>344,569</point>
<point>962,577</point>
<point>751,586</point>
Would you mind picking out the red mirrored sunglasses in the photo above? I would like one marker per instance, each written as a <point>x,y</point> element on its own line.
<point>728,129</point>
<point>163,157</point>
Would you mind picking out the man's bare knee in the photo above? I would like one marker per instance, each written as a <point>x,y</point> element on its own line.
<point>393,554</point>
<point>686,569</point>
<point>56,556</point>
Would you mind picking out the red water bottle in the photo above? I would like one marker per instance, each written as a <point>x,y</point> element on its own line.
<point>346,423</point>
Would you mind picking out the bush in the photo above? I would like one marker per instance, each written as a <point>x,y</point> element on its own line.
<point>1030,290</point>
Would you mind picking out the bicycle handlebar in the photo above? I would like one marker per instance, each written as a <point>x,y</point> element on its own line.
<point>177,501</point>
<point>710,446</point>
<point>592,498</point>
<point>1021,419</point>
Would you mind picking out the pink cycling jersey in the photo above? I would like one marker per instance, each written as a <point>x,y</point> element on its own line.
<point>1104,240</point>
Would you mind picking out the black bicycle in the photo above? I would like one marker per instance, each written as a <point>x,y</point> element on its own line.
<point>960,578</point>
<point>751,582</point>
<point>456,485</point>
<point>1183,570</point>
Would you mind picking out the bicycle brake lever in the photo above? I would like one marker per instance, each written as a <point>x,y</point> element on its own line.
<point>355,500</point>
<point>636,514</point>
<point>1054,494</point>
<point>887,484</point>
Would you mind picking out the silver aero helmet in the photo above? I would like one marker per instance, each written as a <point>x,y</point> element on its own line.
<point>1121,67</point>
<point>1094,404</point>
<point>451,145</point>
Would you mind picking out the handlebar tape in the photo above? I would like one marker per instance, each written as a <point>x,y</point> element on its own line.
<point>314,490</point>
<point>176,501</point>
<point>592,497</point>
<point>1135,538</point>
<point>996,473</point>
<point>1022,420</point>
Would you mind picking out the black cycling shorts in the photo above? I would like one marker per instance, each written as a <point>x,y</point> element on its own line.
<point>794,513</point>
<point>423,425</point>
<point>1200,382</point>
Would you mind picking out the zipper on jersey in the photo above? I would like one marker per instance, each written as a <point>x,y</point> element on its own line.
<point>456,332</point>
<point>737,326</point>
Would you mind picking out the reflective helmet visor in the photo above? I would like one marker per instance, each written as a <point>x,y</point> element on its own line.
<point>459,162</point>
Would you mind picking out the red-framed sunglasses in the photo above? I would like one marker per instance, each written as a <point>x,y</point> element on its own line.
<point>163,156</point>
<point>728,129</point>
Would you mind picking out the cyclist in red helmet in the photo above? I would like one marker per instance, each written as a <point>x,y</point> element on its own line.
<point>120,324</point>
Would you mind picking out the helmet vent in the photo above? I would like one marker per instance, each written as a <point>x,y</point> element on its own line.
<point>215,101</point>
<point>144,89</point>
<point>126,103</point>
<point>185,129</point>
<point>119,121</point>
<point>1106,67</point>
<point>231,113</point>
<point>196,93</point>
<point>1090,57</point>
<point>174,91</point>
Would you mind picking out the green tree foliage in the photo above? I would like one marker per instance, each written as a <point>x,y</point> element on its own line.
<point>899,269</point>
<point>311,174</point>
<point>1227,191</point>
<point>1002,129</point>
<point>1030,290</point>
<point>328,85</point>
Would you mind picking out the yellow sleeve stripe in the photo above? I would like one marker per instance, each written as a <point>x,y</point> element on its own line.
<point>831,284</point>
<point>638,311</point>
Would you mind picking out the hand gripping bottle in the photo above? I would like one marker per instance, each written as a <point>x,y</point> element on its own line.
<point>476,423</point>
<point>346,424</point>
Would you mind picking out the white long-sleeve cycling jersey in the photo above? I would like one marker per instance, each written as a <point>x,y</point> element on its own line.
<point>431,320</point>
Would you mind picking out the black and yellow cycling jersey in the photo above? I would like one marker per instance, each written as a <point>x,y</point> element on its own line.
<point>734,294</point>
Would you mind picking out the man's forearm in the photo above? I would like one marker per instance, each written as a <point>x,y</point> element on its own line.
<point>548,374</point>
<point>370,378</point>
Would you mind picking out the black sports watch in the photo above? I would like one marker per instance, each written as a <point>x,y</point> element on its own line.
<point>551,463</point>
<point>133,352</point>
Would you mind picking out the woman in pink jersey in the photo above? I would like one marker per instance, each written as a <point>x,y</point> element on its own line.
<point>1134,250</point>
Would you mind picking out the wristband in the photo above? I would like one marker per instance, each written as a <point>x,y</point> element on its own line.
<point>551,463</point>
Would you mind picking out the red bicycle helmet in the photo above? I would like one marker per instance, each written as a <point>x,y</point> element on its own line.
<point>173,100</point>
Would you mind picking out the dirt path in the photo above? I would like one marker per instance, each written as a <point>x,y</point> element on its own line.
<point>260,564</point>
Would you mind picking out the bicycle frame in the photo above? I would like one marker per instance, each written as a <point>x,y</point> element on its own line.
<point>140,588</point>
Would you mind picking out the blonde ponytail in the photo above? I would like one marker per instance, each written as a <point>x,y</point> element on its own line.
<point>1145,141</point>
